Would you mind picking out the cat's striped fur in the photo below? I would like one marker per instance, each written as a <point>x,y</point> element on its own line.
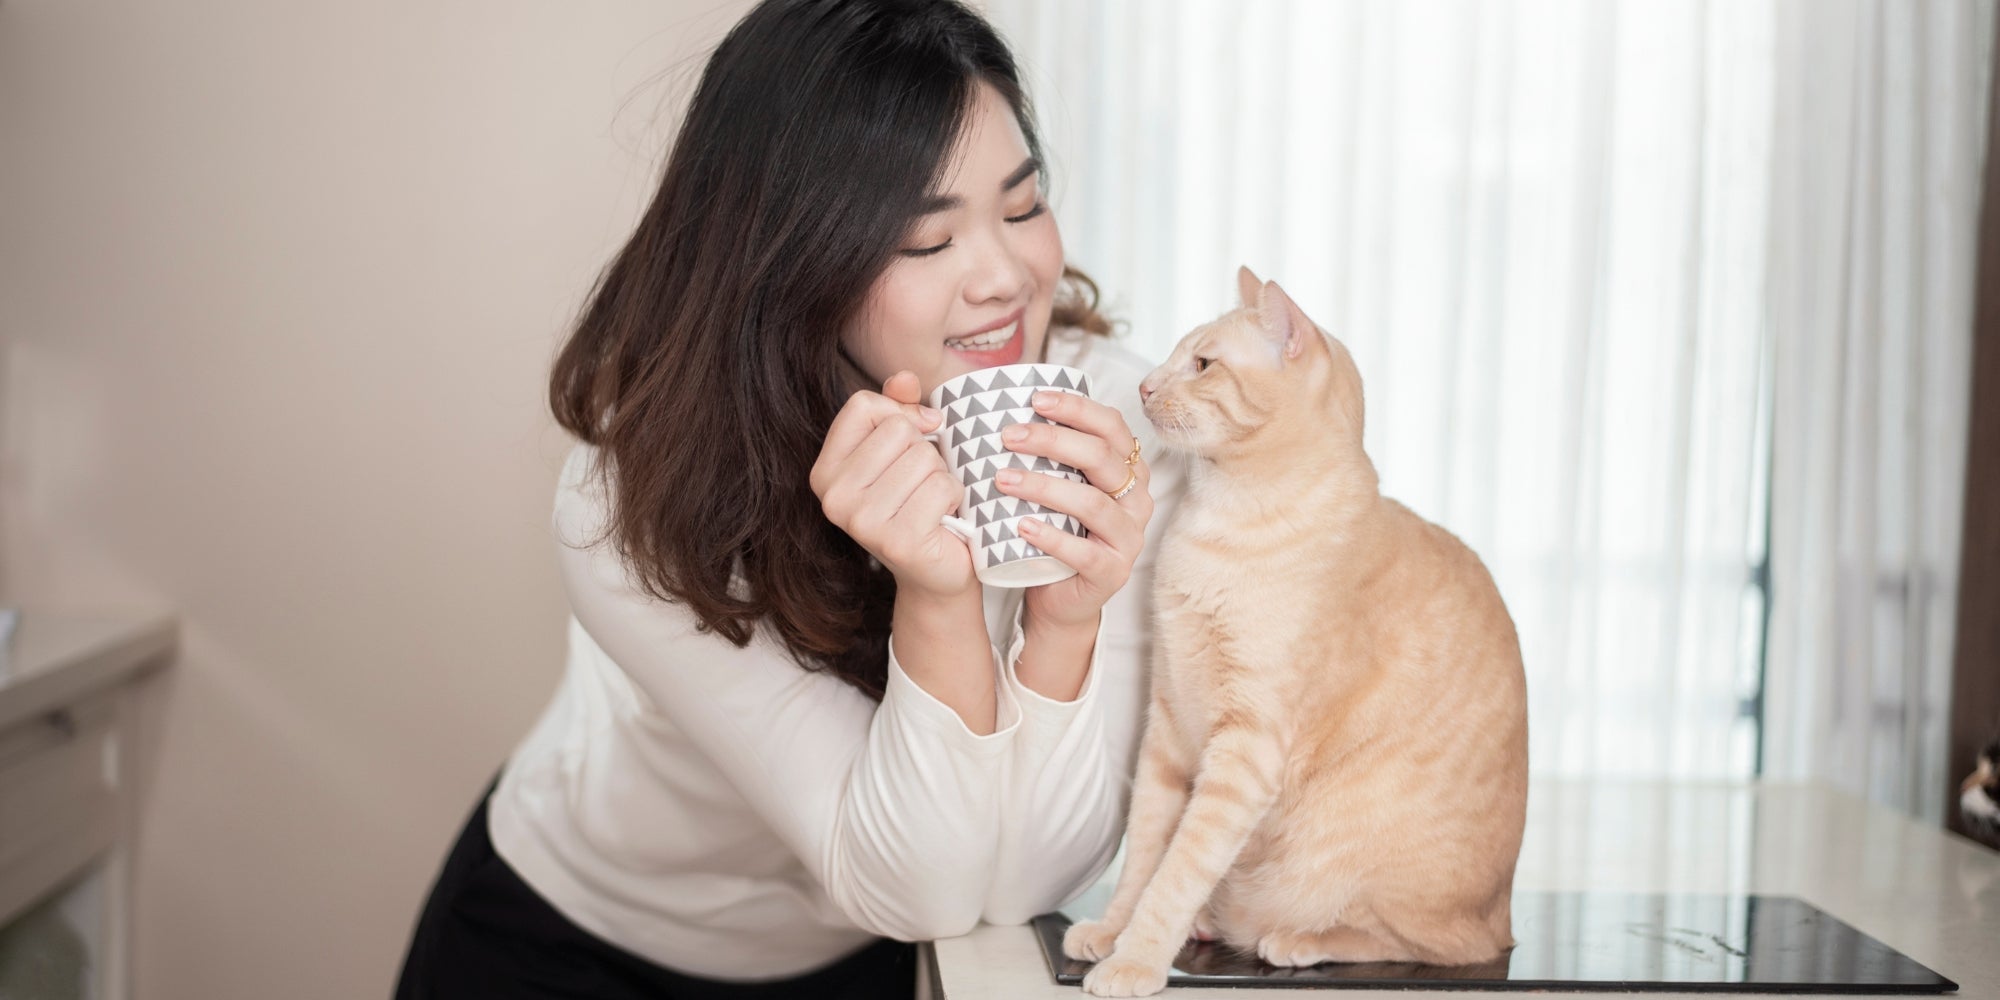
<point>1334,766</point>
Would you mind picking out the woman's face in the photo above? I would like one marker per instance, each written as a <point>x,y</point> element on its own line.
<point>973,284</point>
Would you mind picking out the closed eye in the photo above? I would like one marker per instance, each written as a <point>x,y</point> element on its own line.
<point>1040,207</point>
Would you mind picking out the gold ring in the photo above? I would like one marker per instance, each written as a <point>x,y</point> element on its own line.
<point>1131,480</point>
<point>1129,459</point>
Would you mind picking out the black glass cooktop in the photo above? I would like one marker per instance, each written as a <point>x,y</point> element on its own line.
<point>1591,941</point>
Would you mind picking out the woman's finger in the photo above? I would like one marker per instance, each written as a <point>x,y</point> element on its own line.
<point>842,485</point>
<point>1093,455</point>
<point>884,497</point>
<point>1118,527</point>
<point>859,417</point>
<point>937,495</point>
<point>907,393</point>
<point>1084,414</point>
<point>1100,564</point>
<point>1106,469</point>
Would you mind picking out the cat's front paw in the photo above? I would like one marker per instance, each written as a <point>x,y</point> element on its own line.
<point>1123,977</point>
<point>1090,941</point>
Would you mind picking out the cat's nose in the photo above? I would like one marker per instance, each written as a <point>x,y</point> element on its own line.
<point>1145,392</point>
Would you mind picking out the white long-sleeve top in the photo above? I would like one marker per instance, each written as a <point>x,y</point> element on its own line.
<point>723,812</point>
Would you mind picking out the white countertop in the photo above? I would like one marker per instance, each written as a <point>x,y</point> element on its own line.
<point>55,658</point>
<point>1931,895</point>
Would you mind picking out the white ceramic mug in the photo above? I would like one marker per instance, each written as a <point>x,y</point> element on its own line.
<point>977,407</point>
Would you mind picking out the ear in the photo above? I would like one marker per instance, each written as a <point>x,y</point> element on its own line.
<point>1283,321</point>
<point>1248,285</point>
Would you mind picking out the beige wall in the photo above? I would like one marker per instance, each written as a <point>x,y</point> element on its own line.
<point>279,283</point>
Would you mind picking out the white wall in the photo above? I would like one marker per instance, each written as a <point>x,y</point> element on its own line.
<point>279,285</point>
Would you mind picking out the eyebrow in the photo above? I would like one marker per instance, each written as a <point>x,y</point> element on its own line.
<point>947,202</point>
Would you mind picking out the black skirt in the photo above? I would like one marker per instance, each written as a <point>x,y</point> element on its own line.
<point>486,935</point>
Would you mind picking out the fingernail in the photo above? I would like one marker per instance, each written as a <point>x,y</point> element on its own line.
<point>1008,477</point>
<point>1014,435</point>
<point>1028,526</point>
<point>932,415</point>
<point>1045,401</point>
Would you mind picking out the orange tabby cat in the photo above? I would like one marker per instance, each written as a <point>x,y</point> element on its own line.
<point>1334,766</point>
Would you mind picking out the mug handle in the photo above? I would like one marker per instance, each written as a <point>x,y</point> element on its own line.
<point>956,525</point>
<point>962,528</point>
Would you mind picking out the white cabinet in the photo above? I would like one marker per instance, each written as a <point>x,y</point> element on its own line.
<point>68,745</point>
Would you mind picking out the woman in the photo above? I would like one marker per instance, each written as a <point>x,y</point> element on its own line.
<point>786,741</point>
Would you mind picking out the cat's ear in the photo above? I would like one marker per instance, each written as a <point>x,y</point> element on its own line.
<point>1284,323</point>
<point>1248,285</point>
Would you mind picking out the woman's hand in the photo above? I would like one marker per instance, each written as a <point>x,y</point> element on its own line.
<point>879,480</point>
<point>1093,438</point>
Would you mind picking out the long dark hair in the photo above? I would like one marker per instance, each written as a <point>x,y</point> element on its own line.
<point>706,365</point>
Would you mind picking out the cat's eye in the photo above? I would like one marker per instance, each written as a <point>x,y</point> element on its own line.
<point>1201,364</point>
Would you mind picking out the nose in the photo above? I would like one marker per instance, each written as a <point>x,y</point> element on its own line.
<point>999,274</point>
<point>1145,390</point>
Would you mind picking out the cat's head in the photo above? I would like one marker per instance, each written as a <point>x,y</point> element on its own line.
<point>1258,377</point>
<point>1979,796</point>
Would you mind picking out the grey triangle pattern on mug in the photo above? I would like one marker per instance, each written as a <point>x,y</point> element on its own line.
<point>970,476</point>
<point>1002,507</point>
<point>1062,381</point>
<point>986,514</point>
<point>1001,381</point>
<point>1011,551</point>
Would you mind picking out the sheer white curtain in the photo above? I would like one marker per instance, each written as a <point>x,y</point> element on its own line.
<point>1548,232</point>
<point>1878,149</point>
